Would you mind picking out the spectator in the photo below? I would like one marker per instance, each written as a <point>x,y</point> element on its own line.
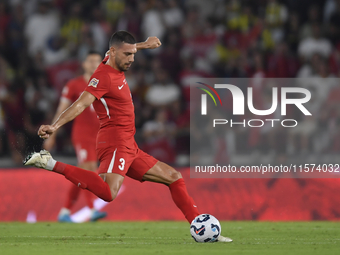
<point>100,30</point>
<point>315,44</point>
<point>71,29</point>
<point>276,16</point>
<point>16,34</point>
<point>112,9</point>
<point>329,8</point>
<point>292,32</point>
<point>170,56</point>
<point>172,15</point>
<point>163,92</point>
<point>281,63</point>
<point>334,23</point>
<point>153,23</point>
<point>130,21</point>
<point>306,31</point>
<point>309,69</point>
<point>55,52</point>
<point>322,82</point>
<point>192,23</point>
<point>48,23</point>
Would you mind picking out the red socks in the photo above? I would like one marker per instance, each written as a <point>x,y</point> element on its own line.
<point>85,179</point>
<point>182,199</point>
<point>73,195</point>
<point>89,198</point>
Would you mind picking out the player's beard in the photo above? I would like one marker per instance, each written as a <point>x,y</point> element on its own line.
<point>122,67</point>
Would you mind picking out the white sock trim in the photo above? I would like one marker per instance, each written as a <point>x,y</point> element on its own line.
<point>64,211</point>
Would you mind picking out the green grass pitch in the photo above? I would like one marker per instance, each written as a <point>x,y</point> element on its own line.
<point>168,238</point>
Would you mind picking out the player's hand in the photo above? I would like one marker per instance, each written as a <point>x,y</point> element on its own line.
<point>45,131</point>
<point>152,42</point>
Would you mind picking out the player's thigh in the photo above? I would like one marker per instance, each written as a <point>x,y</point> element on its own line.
<point>141,164</point>
<point>115,160</point>
<point>114,164</point>
<point>162,173</point>
<point>147,168</point>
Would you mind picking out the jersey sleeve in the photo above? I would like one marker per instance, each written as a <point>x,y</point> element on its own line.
<point>99,84</point>
<point>68,92</point>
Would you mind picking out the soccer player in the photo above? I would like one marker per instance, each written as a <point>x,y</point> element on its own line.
<point>85,145</point>
<point>116,148</point>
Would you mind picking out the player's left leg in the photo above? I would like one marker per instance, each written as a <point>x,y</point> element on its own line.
<point>73,194</point>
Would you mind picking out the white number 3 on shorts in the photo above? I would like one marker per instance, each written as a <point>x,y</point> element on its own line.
<point>121,166</point>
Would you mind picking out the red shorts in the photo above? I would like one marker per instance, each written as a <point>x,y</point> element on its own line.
<point>125,161</point>
<point>85,151</point>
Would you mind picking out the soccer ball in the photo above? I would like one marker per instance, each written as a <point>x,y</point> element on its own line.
<point>205,228</point>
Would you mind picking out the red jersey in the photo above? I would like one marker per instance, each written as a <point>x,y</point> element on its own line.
<point>113,106</point>
<point>86,125</point>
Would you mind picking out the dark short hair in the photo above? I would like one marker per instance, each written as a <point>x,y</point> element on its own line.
<point>93,52</point>
<point>121,37</point>
<point>89,53</point>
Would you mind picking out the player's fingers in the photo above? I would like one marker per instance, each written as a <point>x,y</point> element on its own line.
<point>44,136</point>
<point>47,129</point>
<point>41,130</point>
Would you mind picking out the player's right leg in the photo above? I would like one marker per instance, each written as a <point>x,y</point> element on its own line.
<point>104,186</point>
<point>163,173</point>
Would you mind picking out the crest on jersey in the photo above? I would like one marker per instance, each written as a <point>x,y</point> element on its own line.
<point>94,82</point>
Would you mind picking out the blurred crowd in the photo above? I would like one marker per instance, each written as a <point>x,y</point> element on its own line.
<point>42,43</point>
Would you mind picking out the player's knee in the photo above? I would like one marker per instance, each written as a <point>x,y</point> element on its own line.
<point>174,176</point>
<point>114,194</point>
<point>107,199</point>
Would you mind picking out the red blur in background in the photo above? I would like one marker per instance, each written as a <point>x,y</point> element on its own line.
<point>42,192</point>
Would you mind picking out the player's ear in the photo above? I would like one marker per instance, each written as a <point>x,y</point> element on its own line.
<point>112,51</point>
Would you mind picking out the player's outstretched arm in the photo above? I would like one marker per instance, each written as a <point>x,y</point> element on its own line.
<point>151,43</point>
<point>64,103</point>
<point>85,100</point>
